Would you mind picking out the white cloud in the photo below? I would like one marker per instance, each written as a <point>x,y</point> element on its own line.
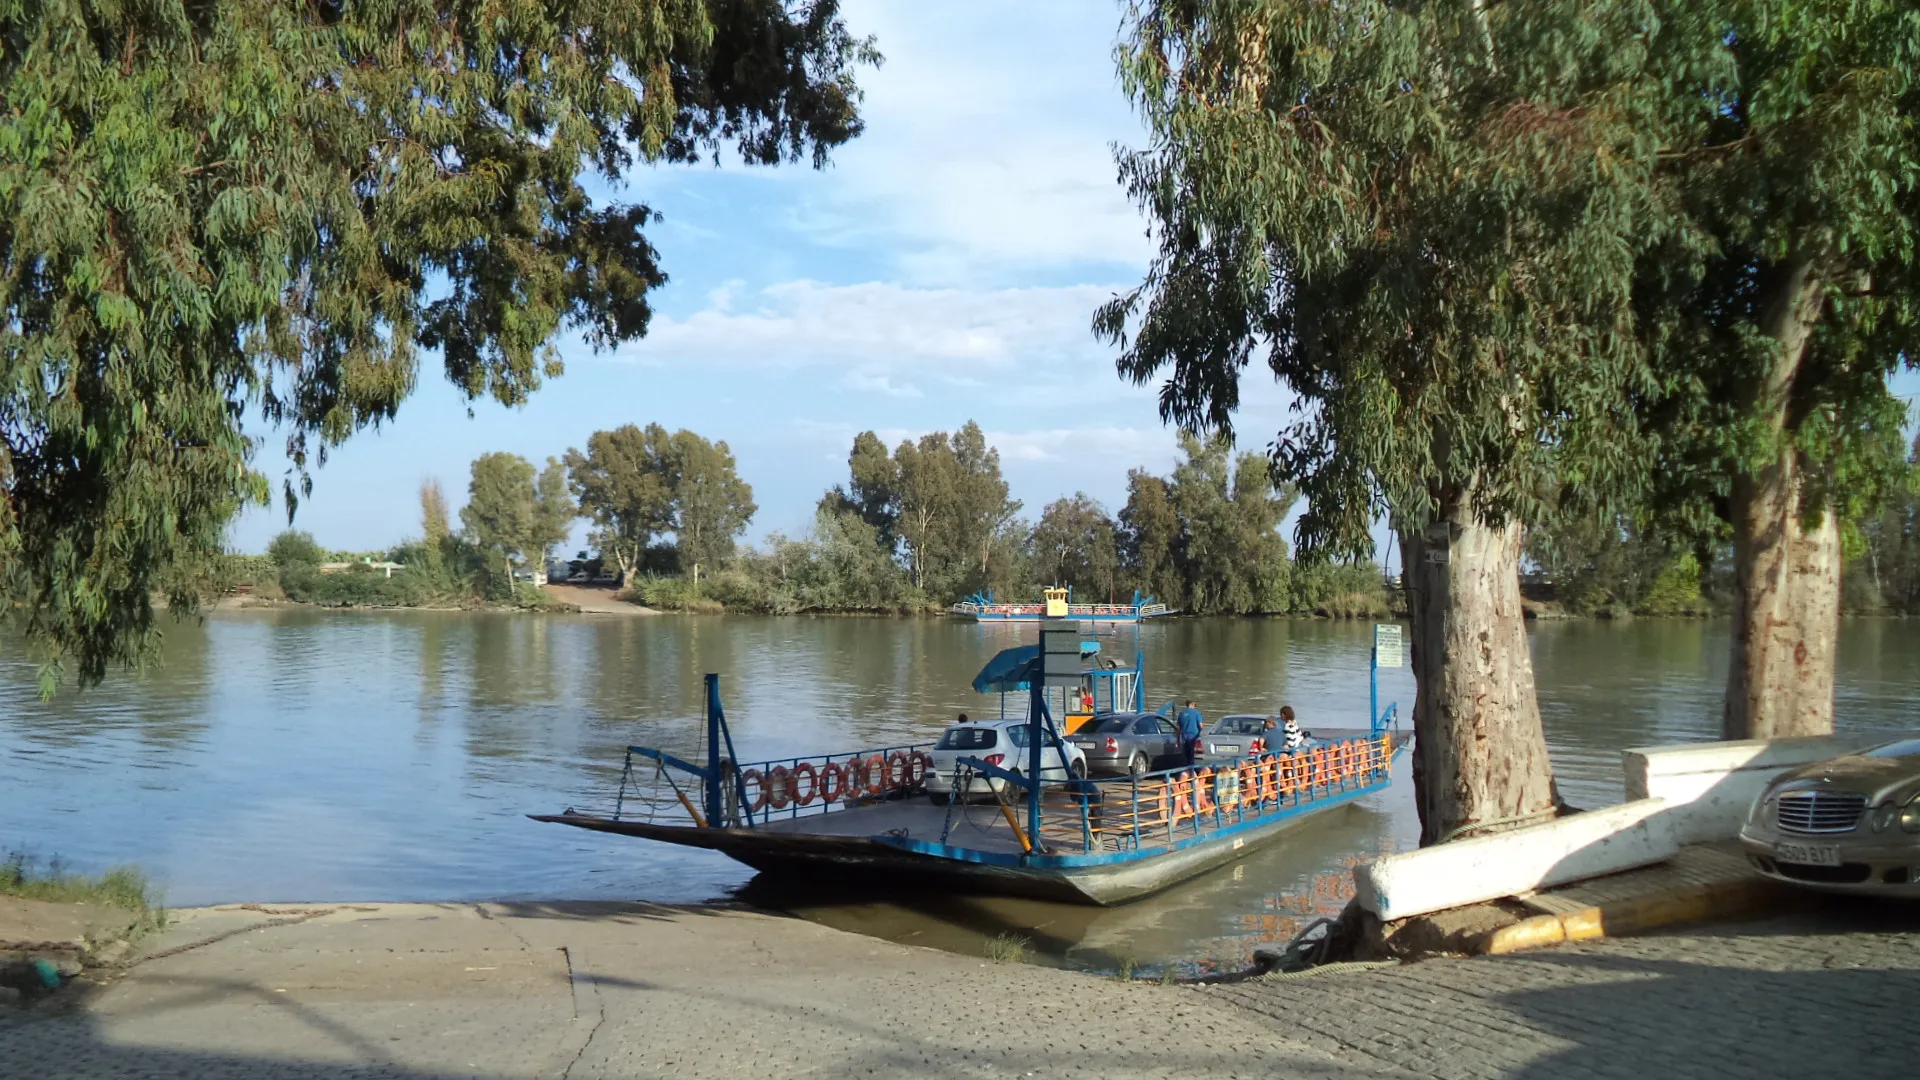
<point>987,152</point>
<point>988,149</point>
<point>879,333</point>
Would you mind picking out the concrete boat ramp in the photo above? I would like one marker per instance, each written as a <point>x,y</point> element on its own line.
<point>604,991</point>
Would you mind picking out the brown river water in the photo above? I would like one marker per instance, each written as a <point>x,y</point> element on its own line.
<point>305,755</point>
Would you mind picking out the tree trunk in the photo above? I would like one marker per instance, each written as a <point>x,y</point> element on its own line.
<point>1480,754</point>
<point>1786,612</point>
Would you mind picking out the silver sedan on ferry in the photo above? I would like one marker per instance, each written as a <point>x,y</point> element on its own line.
<point>1849,824</point>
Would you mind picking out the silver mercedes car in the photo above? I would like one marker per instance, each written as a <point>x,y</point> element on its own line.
<point>1850,824</point>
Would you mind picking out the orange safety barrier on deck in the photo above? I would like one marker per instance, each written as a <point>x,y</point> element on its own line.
<point>1117,814</point>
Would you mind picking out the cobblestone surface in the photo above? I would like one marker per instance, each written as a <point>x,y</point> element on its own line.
<point>1831,991</point>
<point>420,992</point>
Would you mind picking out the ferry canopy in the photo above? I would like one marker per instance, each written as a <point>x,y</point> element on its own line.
<point>1007,671</point>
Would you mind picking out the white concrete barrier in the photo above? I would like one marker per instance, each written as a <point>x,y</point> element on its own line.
<point>1709,787</point>
<point>1463,872</point>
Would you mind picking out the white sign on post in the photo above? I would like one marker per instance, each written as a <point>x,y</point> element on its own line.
<point>1389,647</point>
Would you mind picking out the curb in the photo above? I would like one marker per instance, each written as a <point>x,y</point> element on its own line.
<point>1637,915</point>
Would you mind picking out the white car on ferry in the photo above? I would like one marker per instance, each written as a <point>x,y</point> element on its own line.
<point>1001,743</point>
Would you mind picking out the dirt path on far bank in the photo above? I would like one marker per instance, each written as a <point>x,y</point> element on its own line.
<point>596,600</point>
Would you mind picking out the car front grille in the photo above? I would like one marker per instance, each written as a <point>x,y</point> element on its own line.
<point>1819,811</point>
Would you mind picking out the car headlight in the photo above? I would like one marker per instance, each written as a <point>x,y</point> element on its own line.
<point>1758,812</point>
<point>1883,817</point>
<point>1910,815</point>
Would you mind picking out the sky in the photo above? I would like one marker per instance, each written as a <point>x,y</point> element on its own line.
<point>944,268</point>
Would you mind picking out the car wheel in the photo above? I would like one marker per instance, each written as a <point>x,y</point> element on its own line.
<point>1137,766</point>
<point>1078,769</point>
<point>938,798</point>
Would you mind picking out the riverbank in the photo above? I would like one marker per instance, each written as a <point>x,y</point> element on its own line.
<point>592,991</point>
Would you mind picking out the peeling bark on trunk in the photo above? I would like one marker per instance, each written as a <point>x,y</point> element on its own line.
<point>1786,613</point>
<point>1480,754</point>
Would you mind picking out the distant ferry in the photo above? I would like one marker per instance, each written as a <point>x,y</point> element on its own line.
<point>1058,604</point>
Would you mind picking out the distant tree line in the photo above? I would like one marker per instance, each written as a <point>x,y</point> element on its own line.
<point>1597,564</point>
<point>636,486</point>
<point>931,522</point>
<point>914,528</point>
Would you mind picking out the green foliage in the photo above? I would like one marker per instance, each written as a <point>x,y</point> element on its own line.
<point>874,489</point>
<point>502,515</point>
<point>1600,564</point>
<point>233,208</point>
<point>711,504</point>
<point>1413,215</point>
<point>623,482</point>
<point>1207,539</point>
<point>1786,294</point>
<point>1675,590</point>
<point>1074,544</point>
<point>359,585</point>
<point>945,501</point>
<point>553,513</point>
<point>1883,576</point>
<point>293,548</point>
<point>636,485</point>
<point>123,887</point>
<point>1341,590</point>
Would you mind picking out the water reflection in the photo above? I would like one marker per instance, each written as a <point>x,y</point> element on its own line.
<point>315,755</point>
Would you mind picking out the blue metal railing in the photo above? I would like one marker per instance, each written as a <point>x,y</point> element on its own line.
<point>755,793</point>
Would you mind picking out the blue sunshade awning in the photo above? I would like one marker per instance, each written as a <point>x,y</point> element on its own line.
<point>1007,671</point>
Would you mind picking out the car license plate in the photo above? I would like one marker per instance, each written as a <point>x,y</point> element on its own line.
<point>1084,744</point>
<point>1226,748</point>
<point>1807,854</point>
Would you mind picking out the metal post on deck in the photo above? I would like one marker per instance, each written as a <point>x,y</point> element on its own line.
<point>1373,690</point>
<point>713,748</point>
<point>1036,705</point>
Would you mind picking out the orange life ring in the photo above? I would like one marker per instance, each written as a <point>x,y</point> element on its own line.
<point>758,800</point>
<point>1250,783</point>
<point>899,769</point>
<point>833,783</point>
<point>857,777</point>
<point>1182,803</point>
<point>779,787</point>
<point>919,766</point>
<point>1203,791</point>
<point>806,769</point>
<point>876,767</point>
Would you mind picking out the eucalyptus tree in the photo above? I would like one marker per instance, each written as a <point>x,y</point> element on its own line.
<point>1413,214</point>
<point>1776,313</point>
<point>1149,536</point>
<point>245,208</point>
<point>1073,544</point>
<point>711,503</point>
<point>623,483</point>
<point>873,488</point>
<point>502,515</point>
<point>553,513</point>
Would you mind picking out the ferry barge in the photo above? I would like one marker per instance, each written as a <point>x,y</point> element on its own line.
<point>1057,603</point>
<point>1098,841</point>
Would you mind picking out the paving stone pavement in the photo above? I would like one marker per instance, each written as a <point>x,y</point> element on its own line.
<point>595,992</point>
<point>1831,991</point>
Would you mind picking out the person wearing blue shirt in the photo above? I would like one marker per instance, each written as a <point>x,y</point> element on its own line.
<point>1190,722</point>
